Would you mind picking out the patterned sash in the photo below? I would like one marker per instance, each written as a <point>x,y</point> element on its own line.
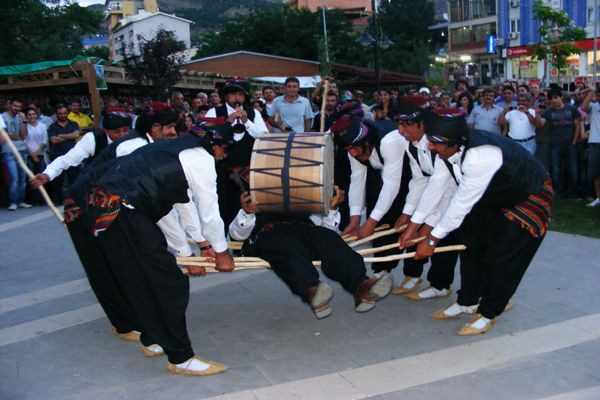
<point>71,210</point>
<point>110,205</point>
<point>534,213</point>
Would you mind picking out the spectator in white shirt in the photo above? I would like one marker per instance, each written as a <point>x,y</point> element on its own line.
<point>520,123</point>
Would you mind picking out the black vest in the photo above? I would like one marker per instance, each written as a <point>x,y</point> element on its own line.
<point>239,152</point>
<point>95,169</point>
<point>151,178</point>
<point>101,142</point>
<point>520,175</point>
<point>376,136</point>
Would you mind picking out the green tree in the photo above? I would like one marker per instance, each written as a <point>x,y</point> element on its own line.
<point>406,23</point>
<point>33,31</point>
<point>296,33</point>
<point>97,51</point>
<point>154,65</point>
<point>557,35</point>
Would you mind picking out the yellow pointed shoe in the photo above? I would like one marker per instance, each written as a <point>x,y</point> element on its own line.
<point>509,306</point>
<point>429,293</point>
<point>402,289</point>
<point>456,310</point>
<point>154,350</point>
<point>132,336</point>
<point>469,330</point>
<point>213,369</point>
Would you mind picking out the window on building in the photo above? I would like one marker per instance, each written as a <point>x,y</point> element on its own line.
<point>590,15</point>
<point>515,25</point>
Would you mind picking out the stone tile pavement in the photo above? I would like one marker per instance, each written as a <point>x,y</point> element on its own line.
<point>55,342</point>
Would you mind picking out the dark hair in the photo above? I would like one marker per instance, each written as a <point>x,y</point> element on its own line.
<point>268,87</point>
<point>508,87</point>
<point>554,93</point>
<point>59,106</point>
<point>332,94</point>
<point>468,96</point>
<point>292,79</point>
<point>488,90</point>
<point>30,109</point>
<point>17,99</point>
<point>525,86</point>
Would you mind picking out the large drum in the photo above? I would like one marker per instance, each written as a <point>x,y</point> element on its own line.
<point>292,172</point>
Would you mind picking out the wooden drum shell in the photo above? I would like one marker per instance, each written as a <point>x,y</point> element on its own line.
<point>292,172</point>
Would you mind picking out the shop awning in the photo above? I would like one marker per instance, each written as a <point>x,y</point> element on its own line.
<point>41,66</point>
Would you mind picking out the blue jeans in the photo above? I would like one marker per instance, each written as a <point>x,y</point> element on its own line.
<point>16,178</point>
<point>569,152</point>
<point>530,146</point>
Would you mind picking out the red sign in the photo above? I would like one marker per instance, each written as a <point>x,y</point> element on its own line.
<point>587,44</point>
<point>518,51</point>
<point>553,72</point>
<point>580,80</point>
<point>534,81</point>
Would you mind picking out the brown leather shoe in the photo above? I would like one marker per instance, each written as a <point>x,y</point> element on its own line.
<point>371,290</point>
<point>319,297</point>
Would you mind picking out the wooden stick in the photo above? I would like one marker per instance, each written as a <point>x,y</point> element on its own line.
<point>443,249</point>
<point>378,235</point>
<point>264,264</point>
<point>183,260</point>
<point>233,245</point>
<point>30,174</point>
<point>377,229</point>
<point>386,247</point>
<point>323,100</point>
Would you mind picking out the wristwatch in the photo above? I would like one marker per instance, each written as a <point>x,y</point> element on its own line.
<point>430,242</point>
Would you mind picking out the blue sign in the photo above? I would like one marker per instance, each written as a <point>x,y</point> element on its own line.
<point>491,44</point>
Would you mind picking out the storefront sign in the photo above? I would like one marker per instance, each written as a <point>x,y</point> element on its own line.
<point>491,44</point>
<point>518,51</point>
<point>581,80</point>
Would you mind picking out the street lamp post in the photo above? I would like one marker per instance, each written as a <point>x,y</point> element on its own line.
<point>379,41</point>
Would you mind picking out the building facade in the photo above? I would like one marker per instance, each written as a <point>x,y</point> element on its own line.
<point>116,11</point>
<point>511,26</point>
<point>146,24</point>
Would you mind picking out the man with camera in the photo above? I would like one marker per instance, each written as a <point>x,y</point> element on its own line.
<point>520,123</point>
<point>291,112</point>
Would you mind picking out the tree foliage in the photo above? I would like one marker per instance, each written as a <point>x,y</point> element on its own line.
<point>299,34</point>
<point>557,35</point>
<point>32,31</point>
<point>284,32</point>
<point>154,65</point>
<point>97,51</point>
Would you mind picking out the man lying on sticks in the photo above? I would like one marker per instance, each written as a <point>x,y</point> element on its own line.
<point>290,242</point>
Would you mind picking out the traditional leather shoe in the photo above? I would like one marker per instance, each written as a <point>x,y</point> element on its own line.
<point>509,306</point>
<point>190,367</point>
<point>454,310</point>
<point>407,285</point>
<point>373,289</point>
<point>476,327</point>
<point>429,293</point>
<point>319,297</point>
<point>133,336</point>
<point>154,350</point>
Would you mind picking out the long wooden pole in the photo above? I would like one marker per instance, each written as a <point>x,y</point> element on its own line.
<point>264,264</point>
<point>30,174</point>
<point>378,235</point>
<point>323,101</point>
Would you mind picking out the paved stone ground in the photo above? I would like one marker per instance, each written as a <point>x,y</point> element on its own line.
<point>55,342</point>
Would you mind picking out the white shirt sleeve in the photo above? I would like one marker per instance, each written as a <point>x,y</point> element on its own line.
<point>392,151</point>
<point>257,127</point>
<point>358,182</point>
<point>479,167</point>
<point>85,148</point>
<point>44,134</point>
<point>241,227</point>
<point>189,219</point>
<point>329,221</point>
<point>201,175</point>
<point>174,234</point>
<point>212,113</point>
<point>416,186</point>
<point>129,146</point>
<point>438,184</point>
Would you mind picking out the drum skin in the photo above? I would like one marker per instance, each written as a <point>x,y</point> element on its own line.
<point>292,172</point>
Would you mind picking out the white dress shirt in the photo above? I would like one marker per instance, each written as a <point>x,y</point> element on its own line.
<point>419,180</point>
<point>473,174</point>
<point>243,224</point>
<point>181,219</point>
<point>393,146</point>
<point>201,175</point>
<point>84,149</point>
<point>255,128</point>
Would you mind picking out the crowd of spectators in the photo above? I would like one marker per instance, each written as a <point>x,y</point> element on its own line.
<point>562,129</point>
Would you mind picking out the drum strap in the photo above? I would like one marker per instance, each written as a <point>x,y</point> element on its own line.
<point>285,173</point>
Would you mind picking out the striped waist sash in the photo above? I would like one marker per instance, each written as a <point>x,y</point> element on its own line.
<point>534,213</point>
<point>110,205</point>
